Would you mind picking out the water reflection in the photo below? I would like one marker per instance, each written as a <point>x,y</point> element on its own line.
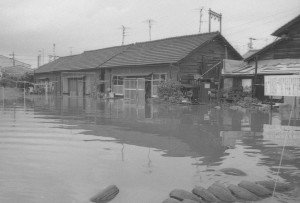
<point>159,141</point>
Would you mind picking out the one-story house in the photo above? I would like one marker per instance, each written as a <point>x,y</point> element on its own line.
<point>135,70</point>
<point>14,67</point>
<point>281,57</point>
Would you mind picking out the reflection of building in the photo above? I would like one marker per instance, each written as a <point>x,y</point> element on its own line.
<point>290,110</point>
<point>229,138</point>
<point>282,135</point>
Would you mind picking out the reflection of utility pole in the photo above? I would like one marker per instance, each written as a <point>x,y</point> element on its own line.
<point>250,44</point>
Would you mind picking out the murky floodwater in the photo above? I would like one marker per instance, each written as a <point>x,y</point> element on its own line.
<point>67,149</point>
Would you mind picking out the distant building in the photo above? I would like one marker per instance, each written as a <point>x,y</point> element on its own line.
<point>250,52</point>
<point>282,57</point>
<point>135,70</point>
<point>15,68</point>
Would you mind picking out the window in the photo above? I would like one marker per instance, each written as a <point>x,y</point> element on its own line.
<point>117,80</point>
<point>228,84</point>
<point>247,85</point>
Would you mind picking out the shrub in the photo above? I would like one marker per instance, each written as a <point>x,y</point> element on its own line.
<point>170,91</point>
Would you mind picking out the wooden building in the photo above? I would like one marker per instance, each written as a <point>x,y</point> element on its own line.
<point>282,57</point>
<point>135,70</point>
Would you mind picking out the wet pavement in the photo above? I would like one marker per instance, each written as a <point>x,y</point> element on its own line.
<point>66,149</point>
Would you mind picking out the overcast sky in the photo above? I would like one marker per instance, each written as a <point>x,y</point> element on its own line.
<point>28,26</point>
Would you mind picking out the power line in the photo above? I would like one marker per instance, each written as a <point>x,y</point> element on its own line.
<point>260,19</point>
<point>200,17</point>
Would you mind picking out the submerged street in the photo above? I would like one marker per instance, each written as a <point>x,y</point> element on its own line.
<point>66,149</point>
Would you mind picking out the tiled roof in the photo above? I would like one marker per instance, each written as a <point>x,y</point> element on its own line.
<point>16,70</point>
<point>265,67</point>
<point>8,62</point>
<point>169,50</point>
<point>283,29</point>
<point>86,60</point>
<point>62,63</point>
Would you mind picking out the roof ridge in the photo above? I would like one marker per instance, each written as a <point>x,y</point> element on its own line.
<point>128,47</point>
<point>108,48</point>
<point>178,37</point>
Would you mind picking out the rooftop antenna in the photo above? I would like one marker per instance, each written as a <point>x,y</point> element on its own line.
<point>150,22</point>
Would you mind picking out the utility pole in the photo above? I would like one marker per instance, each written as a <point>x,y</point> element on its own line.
<point>50,58</point>
<point>218,16</point>
<point>54,57</point>
<point>43,57</point>
<point>123,33</point>
<point>13,58</point>
<point>250,44</point>
<point>150,22</point>
<point>39,59</point>
<point>200,21</point>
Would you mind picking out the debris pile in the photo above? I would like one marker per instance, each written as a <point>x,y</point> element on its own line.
<point>217,192</point>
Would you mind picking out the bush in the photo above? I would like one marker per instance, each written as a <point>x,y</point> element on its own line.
<point>170,91</point>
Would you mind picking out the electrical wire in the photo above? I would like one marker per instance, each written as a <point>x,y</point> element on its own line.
<point>280,162</point>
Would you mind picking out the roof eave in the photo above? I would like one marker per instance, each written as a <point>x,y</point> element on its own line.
<point>263,49</point>
<point>280,31</point>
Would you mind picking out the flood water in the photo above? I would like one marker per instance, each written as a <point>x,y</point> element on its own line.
<point>66,149</point>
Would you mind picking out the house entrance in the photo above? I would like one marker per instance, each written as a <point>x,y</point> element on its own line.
<point>76,86</point>
<point>134,89</point>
